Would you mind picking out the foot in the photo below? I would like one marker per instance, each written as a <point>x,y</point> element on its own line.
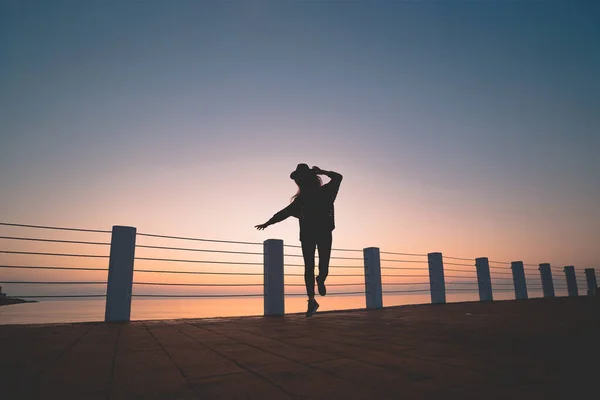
<point>312,308</point>
<point>321,285</point>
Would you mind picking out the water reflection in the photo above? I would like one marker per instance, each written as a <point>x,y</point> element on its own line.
<point>60,311</point>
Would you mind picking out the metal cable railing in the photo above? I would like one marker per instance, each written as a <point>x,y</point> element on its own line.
<point>34,253</point>
<point>404,261</point>
<point>52,283</point>
<point>233,295</point>
<point>228,268</point>
<point>233,263</point>
<point>460,270</point>
<point>403,264</point>
<point>54,240</point>
<point>197,250</point>
<point>405,291</point>
<point>404,254</point>
<point>460,264</point>
<point>198,239</point>
<point>332,258</point>
<point>398,290</point>
<point>459,258</point>
<point>46,285</point>
<point>44,267</point>
<point>197,261</point>
<point>331,266</point>
<point>62,296</point>
<point>201,272</point>
<point>294,246</point>
<point>230,295</point>
<point>54,228</point>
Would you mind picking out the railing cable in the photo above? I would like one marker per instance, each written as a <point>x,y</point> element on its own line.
<point>200,250</point>
<point>460,258</point>
<point>294,246</point>
<point>65,296</point>
<point>198,239</point>
<point>54,228</point>
<point>404,254</point>
<point>55,240</point>
<point>200,272</point>
<point>54,254</point>
<point>460,270</point>
<point>198,261</point>
<point>52,283</point>
<point>63,268</point>
<point>404,291</point>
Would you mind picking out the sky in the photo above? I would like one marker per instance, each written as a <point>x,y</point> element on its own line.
<point>469,128</point>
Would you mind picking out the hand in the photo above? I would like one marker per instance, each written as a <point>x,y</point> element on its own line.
<point>261,226</point>
<point>317,170</point>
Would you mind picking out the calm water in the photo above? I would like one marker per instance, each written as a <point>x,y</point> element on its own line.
<point>58,311</point>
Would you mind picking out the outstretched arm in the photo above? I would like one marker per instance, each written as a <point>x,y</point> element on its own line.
<point>278,217</point>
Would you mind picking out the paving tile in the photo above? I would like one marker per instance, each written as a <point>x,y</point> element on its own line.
<point>280,348</point>
<point>147,374</point>
<point>136,337</point>
<point>195,359</point>
<point>305,383</point>
<point>85,370</point>
<point>237,386</point>
<point>27,354</point>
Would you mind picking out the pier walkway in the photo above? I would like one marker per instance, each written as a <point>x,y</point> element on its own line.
<point>526,349</point>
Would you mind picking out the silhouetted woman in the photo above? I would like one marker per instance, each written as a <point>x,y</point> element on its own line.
<point>313,206</point>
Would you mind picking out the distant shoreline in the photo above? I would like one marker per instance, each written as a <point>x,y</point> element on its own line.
<point>7,301</point>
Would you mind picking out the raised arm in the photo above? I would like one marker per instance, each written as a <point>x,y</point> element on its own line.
<point>279,216</point>
<point>333,186</point>
<point>334,176</point>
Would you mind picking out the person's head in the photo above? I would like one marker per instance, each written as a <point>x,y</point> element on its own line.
<point>306,179</point>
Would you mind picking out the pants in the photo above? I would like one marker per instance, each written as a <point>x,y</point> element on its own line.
<point>308,252</point>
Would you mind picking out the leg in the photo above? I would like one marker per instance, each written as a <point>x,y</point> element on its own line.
<point>324,244</point>
<point>324,255</point>
<point>308,253</point>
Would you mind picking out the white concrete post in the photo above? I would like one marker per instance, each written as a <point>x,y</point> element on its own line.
<point>120,274</point>
<point>274,298</point>
<point>590,277</point>
<point>437,285</point>
<point>547,283</point>
<point>373,291</point>
<point>518,273</point>
<point>484,280</point>
<point>571,281</point>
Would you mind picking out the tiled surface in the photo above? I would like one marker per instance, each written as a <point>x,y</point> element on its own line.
<point>504,350</point>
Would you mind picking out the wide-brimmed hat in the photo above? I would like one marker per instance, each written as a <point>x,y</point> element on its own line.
<point>301,171</point>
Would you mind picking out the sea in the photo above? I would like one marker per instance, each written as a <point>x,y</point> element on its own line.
<point>92,310</point>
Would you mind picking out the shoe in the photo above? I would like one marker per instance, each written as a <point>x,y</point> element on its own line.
<point>313,306</point>
<point>321,285</point>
